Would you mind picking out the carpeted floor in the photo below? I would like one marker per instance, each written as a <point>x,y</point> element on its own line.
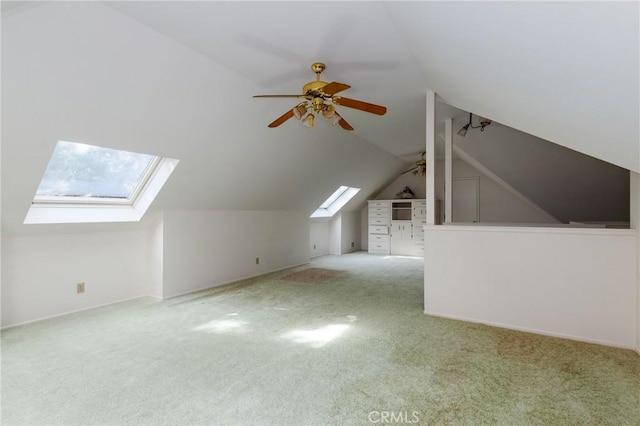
<point>340,341</point>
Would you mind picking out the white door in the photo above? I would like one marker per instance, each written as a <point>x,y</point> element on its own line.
<point>464,200</point>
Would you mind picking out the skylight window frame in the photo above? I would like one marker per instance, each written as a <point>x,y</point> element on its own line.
<point>62,200</point>
<point>334,197</point>
<point>338,202</point>
<point>52,209</point>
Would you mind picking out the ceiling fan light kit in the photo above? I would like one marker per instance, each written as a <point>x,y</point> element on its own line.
<point>316,93</point>
<point>484,122</point>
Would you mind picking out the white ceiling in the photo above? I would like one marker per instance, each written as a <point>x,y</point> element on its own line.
<point>176,78</point>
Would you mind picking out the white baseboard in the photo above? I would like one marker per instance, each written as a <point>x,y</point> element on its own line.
<point>77,311</point>
<point>209,287</point>
<point>534,331</point>
<point>153,297</point>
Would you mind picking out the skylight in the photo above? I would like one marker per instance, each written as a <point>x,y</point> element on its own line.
<point>86,171</point>
<point>335,202</point>
<point>84,183</point>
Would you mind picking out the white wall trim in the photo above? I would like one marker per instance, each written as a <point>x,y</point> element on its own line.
<point>534,228</point>
<point>234,281</point>
<point>152,297</point>
<point>529,330</point>
<point>75,311</point>
<point>474,163</point>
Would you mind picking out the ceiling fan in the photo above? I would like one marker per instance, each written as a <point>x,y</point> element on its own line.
<point>420,168</point>
<point>315,93</point>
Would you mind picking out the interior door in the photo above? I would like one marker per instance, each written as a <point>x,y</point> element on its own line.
<point>465,200</point>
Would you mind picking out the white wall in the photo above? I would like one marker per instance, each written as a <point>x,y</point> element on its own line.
<point>497,204</point>
<point>319,237</point>
<point>364,228</point>
<point>575,283</point>
<point>205,248</point>
<point>634,205</point>
<point>40,273</point>
<point>156,256</point>
<point>350,232</point>
<point>344,229</point>
<point>335,234</point>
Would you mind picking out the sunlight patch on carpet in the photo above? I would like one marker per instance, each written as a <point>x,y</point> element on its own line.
<point>318,337</point>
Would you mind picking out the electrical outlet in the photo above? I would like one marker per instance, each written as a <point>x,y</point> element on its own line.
<point>80,288</point>
<point>314,246</point>
<point>353,244</point>
<point>257,260</point>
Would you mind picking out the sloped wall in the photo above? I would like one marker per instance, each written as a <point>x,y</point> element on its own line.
<point>497,204</point>
<point>567,184</point>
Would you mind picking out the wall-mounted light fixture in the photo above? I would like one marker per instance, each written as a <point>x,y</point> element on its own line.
<point>484,122</point>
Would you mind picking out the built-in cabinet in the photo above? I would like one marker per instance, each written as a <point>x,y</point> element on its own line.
<point>396,227</point>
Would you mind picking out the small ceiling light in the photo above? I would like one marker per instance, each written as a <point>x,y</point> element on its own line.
<point>335,118</point>
<point>484,122</point>
<point>329,112</point>
<point>308,120</point>
<point>463,132</point>
<point>299,110</point>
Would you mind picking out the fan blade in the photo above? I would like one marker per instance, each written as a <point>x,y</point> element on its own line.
<point>284,117</point>
<point>343,123</point>
<point>333,88</point>
<point>363,106</point>
<point>407,171</point>
<point>278,96</point>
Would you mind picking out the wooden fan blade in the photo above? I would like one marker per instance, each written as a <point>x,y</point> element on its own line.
<point>363,106</point>
<point>333,88</point>
<point>343,123</point>
<point>284,117</point>
<point>278,96</point>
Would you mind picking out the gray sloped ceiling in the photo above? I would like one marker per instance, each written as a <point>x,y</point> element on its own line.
<point>567,184</point>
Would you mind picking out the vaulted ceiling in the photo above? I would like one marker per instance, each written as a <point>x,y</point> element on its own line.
<point>176,78</point>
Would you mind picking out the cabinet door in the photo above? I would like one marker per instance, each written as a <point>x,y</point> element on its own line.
<point>400,237</point>
<point>419,211</point>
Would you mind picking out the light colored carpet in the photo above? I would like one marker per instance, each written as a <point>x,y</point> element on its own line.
<point>353,349</point>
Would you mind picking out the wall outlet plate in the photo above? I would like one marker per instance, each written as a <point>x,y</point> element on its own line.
<point>80,288</point>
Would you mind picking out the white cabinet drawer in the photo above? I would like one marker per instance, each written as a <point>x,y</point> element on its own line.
<point>378,210</point>
<point>418,230</point>
<point>379,245</point>
<point>374,251</point>
<point>378,214</point>
<point>419,204</point>
<point>378,230</point>
<point>378,204</point>
<point>376,238</point>
<point>378,220</point>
